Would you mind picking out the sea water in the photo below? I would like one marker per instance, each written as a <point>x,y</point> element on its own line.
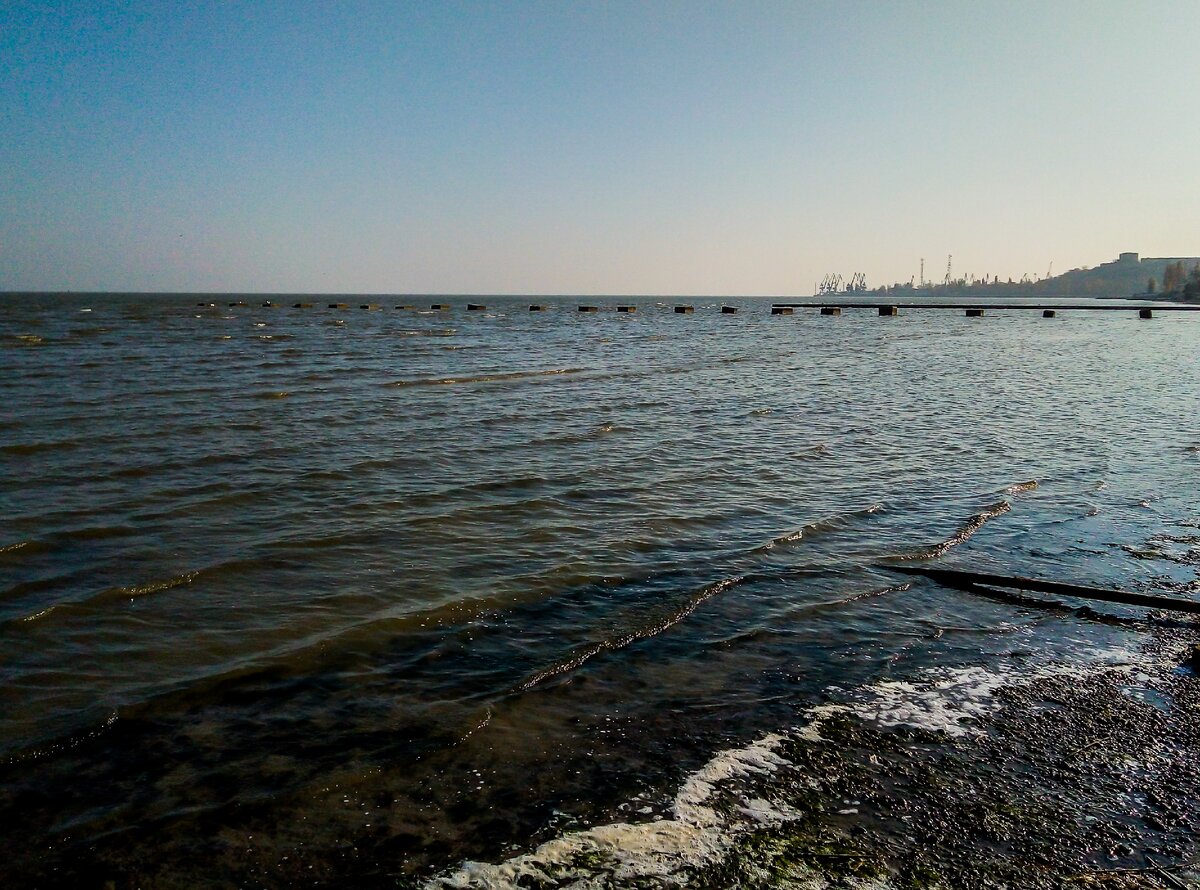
<point>352,595</point>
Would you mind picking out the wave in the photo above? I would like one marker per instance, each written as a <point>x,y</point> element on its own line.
<point>839,520</point>
<point>1020,487</point>
<point>814,451</point>
<point>128,592</point>
<point>611,644</point>
<point>485,378</point>
<point>60,743</point>
<point>664,853</point>
<point>26,449</point>
<point>964,533</point>
<point>591,435</point>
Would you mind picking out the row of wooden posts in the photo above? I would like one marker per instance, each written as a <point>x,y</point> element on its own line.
<point>1144,312</point>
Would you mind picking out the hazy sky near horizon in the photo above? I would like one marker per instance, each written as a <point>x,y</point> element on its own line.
<point>607,147</point>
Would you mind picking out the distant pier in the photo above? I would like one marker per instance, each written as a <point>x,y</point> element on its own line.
<point>980,305</point>
<point>974,309</point>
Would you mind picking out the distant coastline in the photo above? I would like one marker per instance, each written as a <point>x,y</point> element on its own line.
<point>1127,277</point>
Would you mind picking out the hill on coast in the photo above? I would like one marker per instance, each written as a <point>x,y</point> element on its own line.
<point>1127,276</point>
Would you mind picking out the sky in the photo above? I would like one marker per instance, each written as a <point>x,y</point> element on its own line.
<point>735,148</point>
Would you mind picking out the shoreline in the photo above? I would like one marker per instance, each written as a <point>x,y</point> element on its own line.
<point>1066,777</point>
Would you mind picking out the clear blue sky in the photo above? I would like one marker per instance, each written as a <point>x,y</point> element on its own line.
<point>608,147</point>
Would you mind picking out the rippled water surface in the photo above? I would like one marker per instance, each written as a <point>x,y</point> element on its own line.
<point>337,592</point>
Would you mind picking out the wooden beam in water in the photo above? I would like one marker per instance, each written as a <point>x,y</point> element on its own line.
<point>959,578</point>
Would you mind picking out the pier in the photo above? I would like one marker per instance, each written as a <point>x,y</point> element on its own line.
<point>975,309</point>
<point>980,305</point>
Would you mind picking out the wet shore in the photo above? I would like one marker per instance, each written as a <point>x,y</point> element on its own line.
<point>1064,779</point>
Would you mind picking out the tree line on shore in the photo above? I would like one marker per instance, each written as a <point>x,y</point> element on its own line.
<point>1178,284</point>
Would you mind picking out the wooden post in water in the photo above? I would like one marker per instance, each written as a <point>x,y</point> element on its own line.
<point>587,309</point>
<point>888,311</point>
<point>684,310</point>
<point>781,310</point>
<point>1145,313</point>
<point>440,306</point>
<point>1048,313</point>
<point>627,308</point>
<point>339,306</point>
<point>475,307</point>
<point>729,310</point>
<point>831,310</point>
<point>537,307</point>
<point>974,313</point>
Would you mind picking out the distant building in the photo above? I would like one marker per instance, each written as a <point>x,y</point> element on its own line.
<point>1128,257</point>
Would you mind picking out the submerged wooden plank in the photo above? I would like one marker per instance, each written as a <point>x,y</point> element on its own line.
<point>959,578</point>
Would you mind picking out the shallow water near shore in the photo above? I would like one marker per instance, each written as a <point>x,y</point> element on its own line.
<point>357,596</point>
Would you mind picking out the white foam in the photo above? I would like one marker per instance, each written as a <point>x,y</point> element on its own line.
<point>943,700</point>
<point>668,851</point>
<point>700,834</point>
<point>952,700</point>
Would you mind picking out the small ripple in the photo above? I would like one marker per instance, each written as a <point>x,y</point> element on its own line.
<point>817,450</point>
<point>591,435</point>
<point>485,378</point>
